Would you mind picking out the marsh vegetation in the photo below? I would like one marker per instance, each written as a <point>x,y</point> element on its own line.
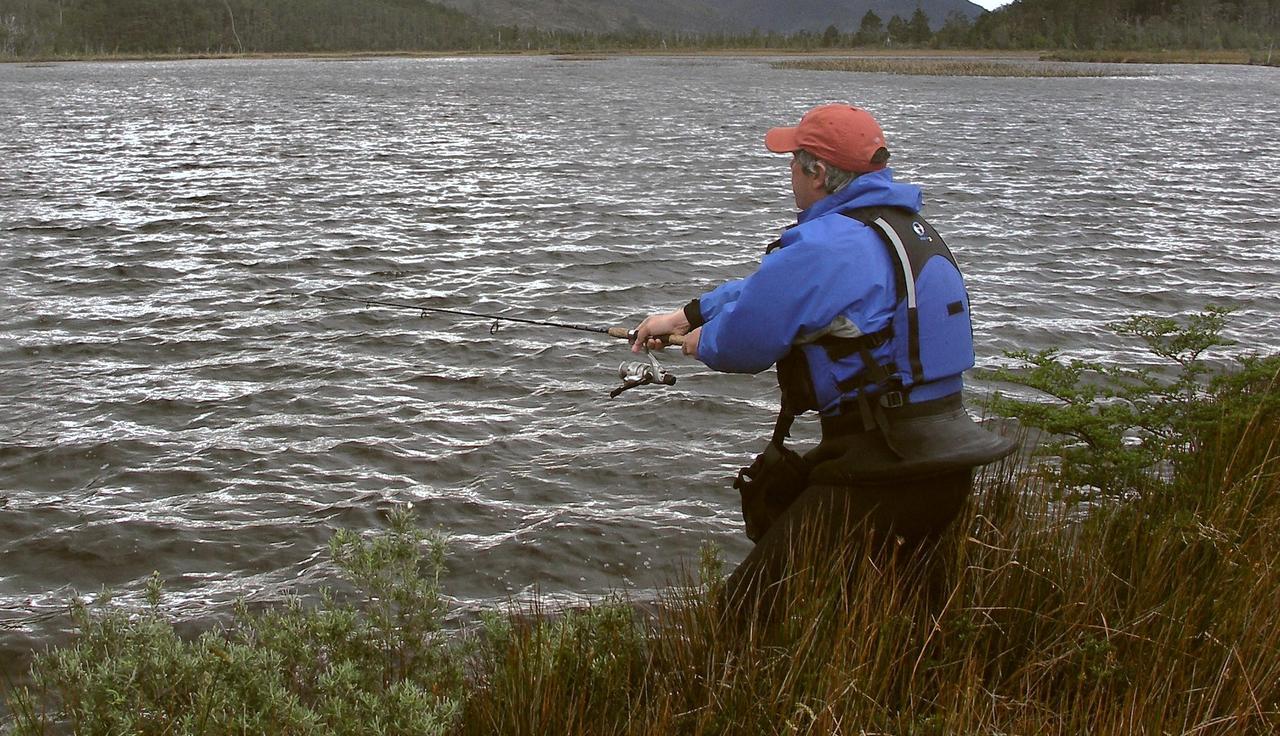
<point>942,67</point>
<point>1128,582</point>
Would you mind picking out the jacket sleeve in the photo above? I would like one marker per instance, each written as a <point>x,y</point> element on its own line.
<point>797,290</point>
<point>711,303</point>
<point>707,306</point>
<point>753,331</point>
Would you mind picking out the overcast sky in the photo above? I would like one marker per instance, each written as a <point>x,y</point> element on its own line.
<point>992,4</point>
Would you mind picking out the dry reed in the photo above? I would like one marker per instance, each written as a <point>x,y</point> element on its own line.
<point>943,67</point>
<point>1153,56</point>
<point>1156,615</point>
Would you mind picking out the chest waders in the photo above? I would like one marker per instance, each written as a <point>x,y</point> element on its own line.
<point>931,338</point>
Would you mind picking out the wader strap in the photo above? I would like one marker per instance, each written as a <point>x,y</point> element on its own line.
<point>873,417</point>
<point>872,412</point>
<point>884,380</point>
<point>874,375</point>
<point>778,243</point>
<point>782,426</point>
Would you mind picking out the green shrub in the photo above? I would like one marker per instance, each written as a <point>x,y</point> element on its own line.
<point>379,667</point>
<point>1121,428</point>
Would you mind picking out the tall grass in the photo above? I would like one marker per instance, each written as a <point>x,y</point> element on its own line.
<point>916,66</point>
<point>1157,56</point>
<point>1157,615</point>
<point>1153,614</point>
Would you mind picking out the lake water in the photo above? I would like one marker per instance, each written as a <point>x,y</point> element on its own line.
<point>169,402</point>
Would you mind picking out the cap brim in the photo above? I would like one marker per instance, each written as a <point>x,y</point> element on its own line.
<point>781,140</point>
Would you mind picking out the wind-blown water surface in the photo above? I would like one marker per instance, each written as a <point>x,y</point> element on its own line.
<point>171,403</point>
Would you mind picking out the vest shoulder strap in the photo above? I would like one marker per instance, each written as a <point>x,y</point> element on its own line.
<point>911,243</point>
<point>907,235</point>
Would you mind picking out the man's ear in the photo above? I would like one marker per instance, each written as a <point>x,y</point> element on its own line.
<point>820,174</point>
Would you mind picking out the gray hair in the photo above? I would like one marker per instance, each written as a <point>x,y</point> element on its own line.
<point>837,178</point>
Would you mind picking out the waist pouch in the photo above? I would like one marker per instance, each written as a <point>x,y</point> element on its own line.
<point>769,485</point>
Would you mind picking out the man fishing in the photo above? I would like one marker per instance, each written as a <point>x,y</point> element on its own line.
<point>862,308</point>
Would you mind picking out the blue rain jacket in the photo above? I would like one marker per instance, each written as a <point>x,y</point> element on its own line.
<point>828,265</point>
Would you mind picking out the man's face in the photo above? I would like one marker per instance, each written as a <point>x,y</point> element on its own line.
<point>807,189</point>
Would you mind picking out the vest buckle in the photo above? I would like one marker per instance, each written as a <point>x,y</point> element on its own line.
<point>892,400</point>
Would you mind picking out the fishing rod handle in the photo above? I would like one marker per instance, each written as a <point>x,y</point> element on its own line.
<point>625,334</point>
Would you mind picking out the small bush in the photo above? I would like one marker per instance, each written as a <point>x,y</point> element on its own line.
<point>379,667</point>
<point>1120,428</point>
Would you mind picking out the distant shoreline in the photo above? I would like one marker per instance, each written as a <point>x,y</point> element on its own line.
<point>1186,56</point>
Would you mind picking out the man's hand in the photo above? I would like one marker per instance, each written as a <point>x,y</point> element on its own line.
<point>690,346</point>
<point>657,326</point>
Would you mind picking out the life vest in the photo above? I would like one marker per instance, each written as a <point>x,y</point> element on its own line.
<point>930,332</point>
<point>932,340</point>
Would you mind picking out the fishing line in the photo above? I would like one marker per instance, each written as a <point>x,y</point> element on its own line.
<point>633,374</point>
<point>611,331</point>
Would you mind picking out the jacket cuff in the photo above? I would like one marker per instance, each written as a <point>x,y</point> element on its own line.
<point>693,313</point>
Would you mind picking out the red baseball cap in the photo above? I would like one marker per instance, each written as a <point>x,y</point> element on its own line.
<point>846,136</point>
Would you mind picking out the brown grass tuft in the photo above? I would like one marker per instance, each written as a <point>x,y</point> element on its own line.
<point>1157,615</point>
<point>943,67</point>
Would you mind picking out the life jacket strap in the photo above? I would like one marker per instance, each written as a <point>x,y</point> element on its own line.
<point>839,348</point>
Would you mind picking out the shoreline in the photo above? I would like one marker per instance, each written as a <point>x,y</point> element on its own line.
<point>1184,56</point>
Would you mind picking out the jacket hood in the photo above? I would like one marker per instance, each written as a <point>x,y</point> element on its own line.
<point>875,189</point>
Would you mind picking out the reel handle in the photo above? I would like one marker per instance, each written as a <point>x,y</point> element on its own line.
<point>625,334</point>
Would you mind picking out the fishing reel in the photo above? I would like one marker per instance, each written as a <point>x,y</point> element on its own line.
<point>641,373</point>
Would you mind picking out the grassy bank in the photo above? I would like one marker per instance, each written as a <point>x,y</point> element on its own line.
<point>1155,614</point>
<point>1151,609</point>
<point>943,67</point>
<point>595,54</point>
<point>900,60</point>
<point>1165,56</point>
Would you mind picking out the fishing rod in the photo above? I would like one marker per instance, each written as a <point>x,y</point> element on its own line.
<point>635,373</point>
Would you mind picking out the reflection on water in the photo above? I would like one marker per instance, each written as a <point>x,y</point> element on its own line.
<point>173,404</point>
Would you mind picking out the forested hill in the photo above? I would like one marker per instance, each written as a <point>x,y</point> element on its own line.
<point>59,28</point>
<point>846,15</point>
<point>707,16</point>
<point>30,27</point>
<point>1141,24</point>
<point>62,27</point>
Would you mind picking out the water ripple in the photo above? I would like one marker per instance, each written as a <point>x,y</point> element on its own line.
<point>174,404</point>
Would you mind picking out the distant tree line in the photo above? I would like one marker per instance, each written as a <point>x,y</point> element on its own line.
<point>73,27</point>
<point>52,28</point>
<point>1081,24</point>
<point>1131,24</point>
